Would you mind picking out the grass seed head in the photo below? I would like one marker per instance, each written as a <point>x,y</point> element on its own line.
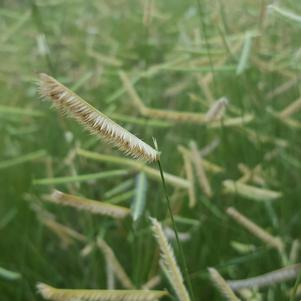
<point>94,121</point>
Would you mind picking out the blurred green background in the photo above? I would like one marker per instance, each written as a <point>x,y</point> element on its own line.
<point>180,55</point>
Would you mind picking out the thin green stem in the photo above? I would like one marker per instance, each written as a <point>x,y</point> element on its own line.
<point>179,246</point>
<point>204,29</point>
<point>295,288</point>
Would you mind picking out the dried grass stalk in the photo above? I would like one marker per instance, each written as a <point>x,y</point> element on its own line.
<point>294,252</point>
<point>175,116</point>
<point>115,264</point>
<point>250,192</point>
<point>222,285</point>
<point>92,206</point>
<point>216,110</point>
<point>282,88</point>
<point>190,177</point>
<point>257,231</point>
<point>253,175</point>
<point>169,262</point>
<point>87,249</point>
<point>209,166</point>
<point>152,282</point>
<point>292,108</point>
<point>56,294</point>
<point>229,122</point>
<point>200,171</point>
<point>66,234</point>
<point>94,121</point>
<point>268,279</point>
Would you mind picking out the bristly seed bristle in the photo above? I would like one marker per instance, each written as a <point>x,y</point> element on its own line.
<point>93,120</point>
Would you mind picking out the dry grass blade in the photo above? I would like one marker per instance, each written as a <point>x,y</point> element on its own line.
<point>268,279</point>
<point>200,171</point>
<point>190,177</point>
<point>257,231</point>
<point>66,234</point>
<point>115,264</point>
<point>292,108</point>
<point>169,262</point>
<point>250,192</point>
<point>222,285</point>
<point>230,122</point>
<point>294,252</point>
<point>151,283</point>
<point>253,175</point>
<point>175,116</point>
<point>50,293</point>
<point>216,109</point>
<point>94,121</point>
<point>92,206</point>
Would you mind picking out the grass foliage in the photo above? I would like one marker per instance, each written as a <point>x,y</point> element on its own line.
<point>157,68</point>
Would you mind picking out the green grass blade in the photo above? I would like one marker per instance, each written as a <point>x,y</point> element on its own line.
<point>245,54</point>
<point>285,13</point>
<point>9,275</point>
<point>22,159</point>
<point>19,111</point>
<point>81,178</point>
<point>122,187</point>
<point>140,196</point>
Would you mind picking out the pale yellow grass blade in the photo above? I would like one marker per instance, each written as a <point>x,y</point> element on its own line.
<point>270,240</point>
<point>95,207</point>
<point>250,192</point>
<point>51,293</point>
<point>115,264</point>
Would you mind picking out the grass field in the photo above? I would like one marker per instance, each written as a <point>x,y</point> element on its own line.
<point>148,64</point>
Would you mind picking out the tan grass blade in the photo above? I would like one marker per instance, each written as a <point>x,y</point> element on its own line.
<point>294,252</point>
<point>92,206</point>
<point>209,166</point>
<point>94,121</point>
<point>282,88</point>
<point>200,170</point>
<point>250,192</point>
<point>268,279</point>
<point>66,234</point>
<point>216,110</point>
<point>87,249</point>
<point>152,282</point>
<point>174,116</point>
<point>205,87</point>
<point>231,122</point>
<point>222,285</point>
<point>292,108</point>
<point>274,242</point>
<point>115,264</point>
<point>252,175</point>
<point>51,293</point>
<point>190,177</point>
<point>169,262</point>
